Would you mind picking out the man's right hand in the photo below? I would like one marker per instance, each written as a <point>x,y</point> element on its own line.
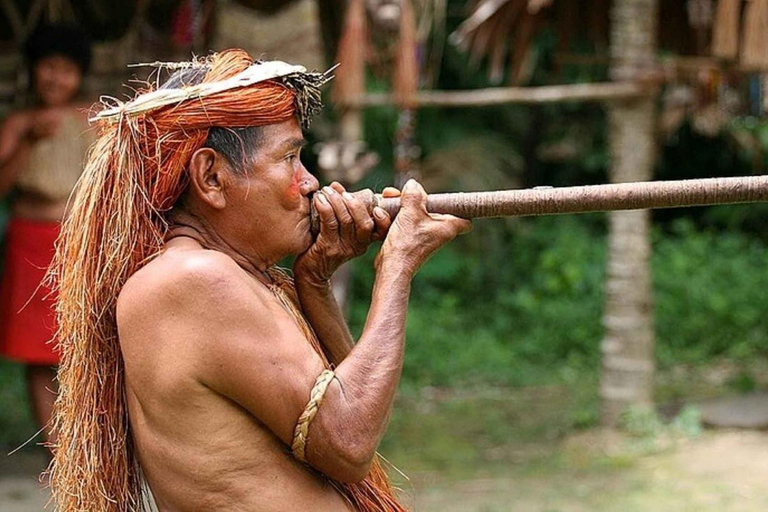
<point>415,234</point>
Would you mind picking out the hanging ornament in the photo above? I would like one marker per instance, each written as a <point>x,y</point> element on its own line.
<point>405,81</point>
<point>700,16</point>
<point>350,76</point>
<point>725,40</point>
<point>754,49</point>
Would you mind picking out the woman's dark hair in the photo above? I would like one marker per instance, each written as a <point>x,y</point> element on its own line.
<point>59,39</point>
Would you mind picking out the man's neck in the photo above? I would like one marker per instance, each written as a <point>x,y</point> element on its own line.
<point>184,224</point>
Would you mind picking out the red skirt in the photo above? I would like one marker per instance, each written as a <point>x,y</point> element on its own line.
<point>27,320</point>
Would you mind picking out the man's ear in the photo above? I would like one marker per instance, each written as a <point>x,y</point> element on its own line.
<point>209,175</point>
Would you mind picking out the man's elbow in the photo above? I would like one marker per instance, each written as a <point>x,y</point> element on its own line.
<point>350,462</point>
<point>350,472</point>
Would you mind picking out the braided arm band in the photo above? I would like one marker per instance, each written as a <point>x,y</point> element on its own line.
<point>299,445</point>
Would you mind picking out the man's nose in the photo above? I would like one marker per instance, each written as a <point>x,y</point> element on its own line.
<point>309,183</point>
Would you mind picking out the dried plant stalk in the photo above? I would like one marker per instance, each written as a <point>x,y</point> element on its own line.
<point>725,40</point>
<point>350,77</point>
<point>755,41</point>
<point>406,75</point>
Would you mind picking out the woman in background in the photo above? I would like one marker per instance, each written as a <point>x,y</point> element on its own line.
<point>42,151</point>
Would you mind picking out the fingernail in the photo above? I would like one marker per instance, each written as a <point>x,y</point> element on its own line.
<point>321,197</point>
<point>378,213</point>
<point>347,196</point>
<point>329,191</point>
<point>410,184</point>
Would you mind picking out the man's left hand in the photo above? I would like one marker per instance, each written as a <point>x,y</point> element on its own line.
<point>346,231</point>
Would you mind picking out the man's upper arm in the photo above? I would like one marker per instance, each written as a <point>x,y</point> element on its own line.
<point>246,346</point>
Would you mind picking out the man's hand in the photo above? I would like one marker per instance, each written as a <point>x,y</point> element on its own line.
<point>346,231</point>
<point>415,234</point>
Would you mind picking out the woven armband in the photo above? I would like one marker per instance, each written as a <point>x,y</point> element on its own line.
<point>299,445</point>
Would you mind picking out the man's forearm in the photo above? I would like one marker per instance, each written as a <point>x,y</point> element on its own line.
<point>324,315</point>
<point>361,398</point>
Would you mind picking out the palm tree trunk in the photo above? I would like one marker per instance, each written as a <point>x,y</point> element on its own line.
<point>628,344</point>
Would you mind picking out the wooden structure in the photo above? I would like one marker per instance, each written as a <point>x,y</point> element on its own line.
<point>625,35</point>
<point>141,31</point>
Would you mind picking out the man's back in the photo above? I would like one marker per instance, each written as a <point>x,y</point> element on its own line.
<point>199,449</point>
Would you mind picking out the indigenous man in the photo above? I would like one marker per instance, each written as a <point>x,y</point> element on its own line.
<point>188,360</point>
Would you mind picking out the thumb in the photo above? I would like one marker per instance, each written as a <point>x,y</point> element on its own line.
<point>414,196</point>
<point>458,224</point>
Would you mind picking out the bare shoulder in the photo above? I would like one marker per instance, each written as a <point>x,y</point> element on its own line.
<point>184,278</point>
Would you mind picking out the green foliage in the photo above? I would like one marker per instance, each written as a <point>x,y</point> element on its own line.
<point>711,290</point>
<point>743,382</point>
<point>16,425</point>
<point>533,314</point>
<point>641,423</point>
<point>688,421</point>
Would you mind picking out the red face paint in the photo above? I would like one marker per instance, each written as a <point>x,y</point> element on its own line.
<point>293,189</point>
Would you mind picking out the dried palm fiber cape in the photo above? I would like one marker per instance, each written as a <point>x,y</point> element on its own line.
<point>134,175</point>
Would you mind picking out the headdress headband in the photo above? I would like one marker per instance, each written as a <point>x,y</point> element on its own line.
<point>305,85</point>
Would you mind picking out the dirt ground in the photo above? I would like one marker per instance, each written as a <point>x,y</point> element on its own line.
<point>718,471</point>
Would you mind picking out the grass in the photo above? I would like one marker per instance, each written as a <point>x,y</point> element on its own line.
<point>16,425</point>
<point>452,432</point>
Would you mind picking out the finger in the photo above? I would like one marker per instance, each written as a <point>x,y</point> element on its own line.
<point>364,223</point>
<point>414,196</point>
<point>329,225</point>
<point>390,192</point>
<point>346,223</point>
<point>338,187</point>
<point>383,222</point>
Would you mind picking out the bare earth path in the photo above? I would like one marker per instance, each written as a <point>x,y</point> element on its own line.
<point>719,471</point>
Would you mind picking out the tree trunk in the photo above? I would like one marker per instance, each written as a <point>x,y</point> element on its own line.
<point>628,344</point>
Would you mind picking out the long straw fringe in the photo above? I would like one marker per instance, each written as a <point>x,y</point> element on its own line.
<point>134,174</point>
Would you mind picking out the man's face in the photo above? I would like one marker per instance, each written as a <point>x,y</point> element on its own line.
<point>56,80</point>
<point>271,202</point>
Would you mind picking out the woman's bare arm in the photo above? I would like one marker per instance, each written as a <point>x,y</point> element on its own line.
<point>14,149</point>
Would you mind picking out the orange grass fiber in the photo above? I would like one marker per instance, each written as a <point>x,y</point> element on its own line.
<point>135,173</point>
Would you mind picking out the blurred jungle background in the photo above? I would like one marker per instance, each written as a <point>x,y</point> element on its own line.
<point>568,363</point>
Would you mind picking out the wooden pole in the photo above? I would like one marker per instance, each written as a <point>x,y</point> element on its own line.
<point>611,91</point>
<point>590,198</point>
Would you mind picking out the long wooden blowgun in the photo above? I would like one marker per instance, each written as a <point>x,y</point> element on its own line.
<point>591,198</point>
